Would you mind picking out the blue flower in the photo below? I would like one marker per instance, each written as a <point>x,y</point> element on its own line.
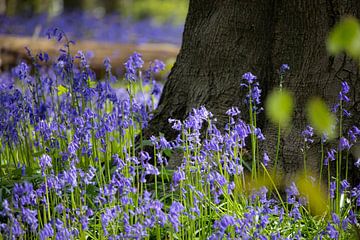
<point>307,134</point>
<point>332,189</point>
<point>333,233</point>
<point>174,213</point>
<point>134,63</point>
<point>344,185</point>
<point>344,144</point>
<point>283,68</point>
<point>45,162</point>
<point>266,159</point>
<point>330,156</point>
<point>47,232</point>
<point>249,77</point>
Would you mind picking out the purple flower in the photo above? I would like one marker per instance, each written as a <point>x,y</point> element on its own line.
<point>344,144</point>
<point>174,213</point>
<point>344,90</point>
<point>295,213</point>
<point>307,134</point>
<point>16,229</point>
<point>47,232</point>
<point>233,111</point>
<point>357,163</point>
<point>332,189</point>
<point>256,94</point>
<point>291,193</point>
<point>283,68</point>
<point>45,161</point>
<point>249,77</point>
<point>266,159</point>
<point>178,176</point>
<point>22,71</point>
<point>107,65</point>
<point>134,63</point>
<point>330,156</point>
<point>333,233</point>
<point>259,134</point>
<point>344,185</point>
<point>30,217</point>
<point>225,222</point>
<point>55,33</point>
<point>157,66</point>
<point>335,218</point>
<point>176,124</point>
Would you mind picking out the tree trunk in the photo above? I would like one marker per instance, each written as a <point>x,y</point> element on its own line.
<point>224,39</point>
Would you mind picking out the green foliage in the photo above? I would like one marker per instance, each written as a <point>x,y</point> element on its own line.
<point>61,90</point>
<point>345,36</point>
<point>320,117</point>
<point>160,10</point>
<point>279,107</point>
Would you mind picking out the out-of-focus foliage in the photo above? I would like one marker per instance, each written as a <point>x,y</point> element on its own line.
<point>279,107</point>
<point>161,10</point>
<point>345,36</point>
<point>320,117</point>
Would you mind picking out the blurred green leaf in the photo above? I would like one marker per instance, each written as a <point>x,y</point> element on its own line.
<point>280,107</point>
<point>91,84</point>
<point>320,117</point>
<point>316,196</point>
<point>62,90</point>
<point>345,36</point>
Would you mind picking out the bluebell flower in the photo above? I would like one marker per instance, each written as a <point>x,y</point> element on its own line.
<point>175,211</point>
<point>107,65</point>
<point>45,161</point>
<point>233,111</point>
<point>256,94</point>
<point>178,176</point>
<point>331,230</point>
<point>283,68</point>
<point>335,218</point>
<point>295,213</point>
<point>259,134</point>
<point>266,159</point>
<point>133,64</point>
<point>332,189</point>
<point>330,155</point>
<point>344,90</point>
<point>357,163</point>
<point>291,193</point>
<point>157,66</point>
<point>344,144</point>
<point>55,33</point>
<point>249,77</point>
<point>16,228</point>
<point>22,71</point>
<point>308,134</point>
<point>47,232</point>
<point>344,185</point>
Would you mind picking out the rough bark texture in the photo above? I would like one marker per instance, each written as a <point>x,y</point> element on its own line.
<point>224,39</point>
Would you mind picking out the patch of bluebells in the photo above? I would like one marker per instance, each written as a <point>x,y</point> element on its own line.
<point>110,28</point>
<point>80,143</point>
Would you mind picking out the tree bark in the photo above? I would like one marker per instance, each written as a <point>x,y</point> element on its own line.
<point>224,39</point>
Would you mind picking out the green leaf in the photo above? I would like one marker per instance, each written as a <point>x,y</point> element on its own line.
<point>62,90</point>
<point>280,107</point>
<point>345,36</point>
<point>167,152</point>
<point>91,84</point>
<point>320,117</point>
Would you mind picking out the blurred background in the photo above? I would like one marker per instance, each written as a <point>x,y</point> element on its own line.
<point>102,28</point>
<point>130,21</point>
